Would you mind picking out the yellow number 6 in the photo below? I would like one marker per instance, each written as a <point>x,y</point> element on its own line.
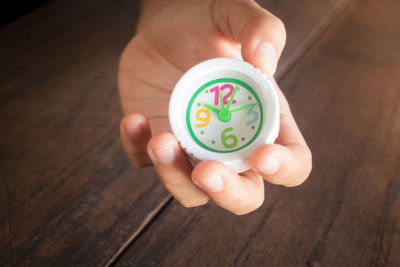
<point>205,120</point>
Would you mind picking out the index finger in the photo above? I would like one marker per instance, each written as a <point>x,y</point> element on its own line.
<point>261,34</point>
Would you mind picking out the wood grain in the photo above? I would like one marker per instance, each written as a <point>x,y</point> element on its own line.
<point>345,94</point>
<point>72,195</point>
<point>69,196</point>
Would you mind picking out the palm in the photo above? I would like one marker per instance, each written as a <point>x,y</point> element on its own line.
<point>168,43</point>
<point>160,53</point>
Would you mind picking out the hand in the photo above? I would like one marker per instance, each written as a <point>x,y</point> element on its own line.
<point>173,36</point>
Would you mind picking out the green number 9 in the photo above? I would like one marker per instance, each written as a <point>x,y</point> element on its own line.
<point>225,138</point>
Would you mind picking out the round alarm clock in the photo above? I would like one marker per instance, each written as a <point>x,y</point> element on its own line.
<point>223,109</point>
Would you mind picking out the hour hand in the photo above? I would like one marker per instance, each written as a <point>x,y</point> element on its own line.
<point>214,109</point>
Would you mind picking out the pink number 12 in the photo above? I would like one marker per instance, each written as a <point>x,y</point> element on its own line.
<point>216,90</point>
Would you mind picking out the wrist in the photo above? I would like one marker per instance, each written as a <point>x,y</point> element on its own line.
<point>150,8</point>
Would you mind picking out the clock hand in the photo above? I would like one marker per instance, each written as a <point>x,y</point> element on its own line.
<point>224,114</point>
<point>245,107</point>
<point>214,109</point>
<point>233,96</point>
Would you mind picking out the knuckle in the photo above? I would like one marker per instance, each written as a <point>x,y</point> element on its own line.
<point>241,212</point>
<point>278,30</point>
<point>194,203</point>
<point>253,204</point>
<point>279,25</point>
<point>258,202</point>
<point>303,169</point>
<point>124,124</point>
<point>302,176</point>
<point>309,160</point>
<point>244,211</point>
<point>307,166</point>
<point>133,117</point>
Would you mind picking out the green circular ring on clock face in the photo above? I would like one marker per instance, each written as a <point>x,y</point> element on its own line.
<point>224,115</point>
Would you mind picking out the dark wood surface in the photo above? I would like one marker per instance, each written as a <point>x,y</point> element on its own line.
<point>345,92</point>
<point>68,195</point>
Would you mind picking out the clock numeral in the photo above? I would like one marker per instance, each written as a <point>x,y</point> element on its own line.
<point>225,138</point>
<point>251,111</point>
<point>216,90</point>
<point>205,120</point>
<point>216,97</point>
<point>228,95</point>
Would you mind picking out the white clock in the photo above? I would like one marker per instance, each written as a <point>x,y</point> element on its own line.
<point>223,109</point>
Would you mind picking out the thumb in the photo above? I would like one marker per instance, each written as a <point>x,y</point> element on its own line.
<point>261,34</point>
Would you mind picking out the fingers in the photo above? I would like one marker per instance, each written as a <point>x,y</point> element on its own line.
<point>261,34</point>
<point>236,193</point>
<point>164,152</point>
<point>174,170</point>
<point>288,162</point>
<point>135,133</point>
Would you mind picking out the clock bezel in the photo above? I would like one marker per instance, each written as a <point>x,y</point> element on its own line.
<point>265,88</point>
<point>201,89</point>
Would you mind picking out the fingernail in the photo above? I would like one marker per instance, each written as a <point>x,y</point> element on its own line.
<point>269,167</point>
<point>164,155</point>
<point>213,183</point>
<point>268,55</point>
<point>134,130</point>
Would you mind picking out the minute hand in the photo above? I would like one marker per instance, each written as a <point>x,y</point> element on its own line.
<point>245,107</point>
<point>232,97</point>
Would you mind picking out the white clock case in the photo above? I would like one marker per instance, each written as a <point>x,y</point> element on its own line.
<point>210,70</point>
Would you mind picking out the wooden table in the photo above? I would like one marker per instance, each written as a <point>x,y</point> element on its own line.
<point>68,195</point>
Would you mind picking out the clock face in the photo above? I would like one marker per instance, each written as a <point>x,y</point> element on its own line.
<point>224,115</point>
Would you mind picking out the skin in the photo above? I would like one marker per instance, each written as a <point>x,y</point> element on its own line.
<point>171,37</point>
